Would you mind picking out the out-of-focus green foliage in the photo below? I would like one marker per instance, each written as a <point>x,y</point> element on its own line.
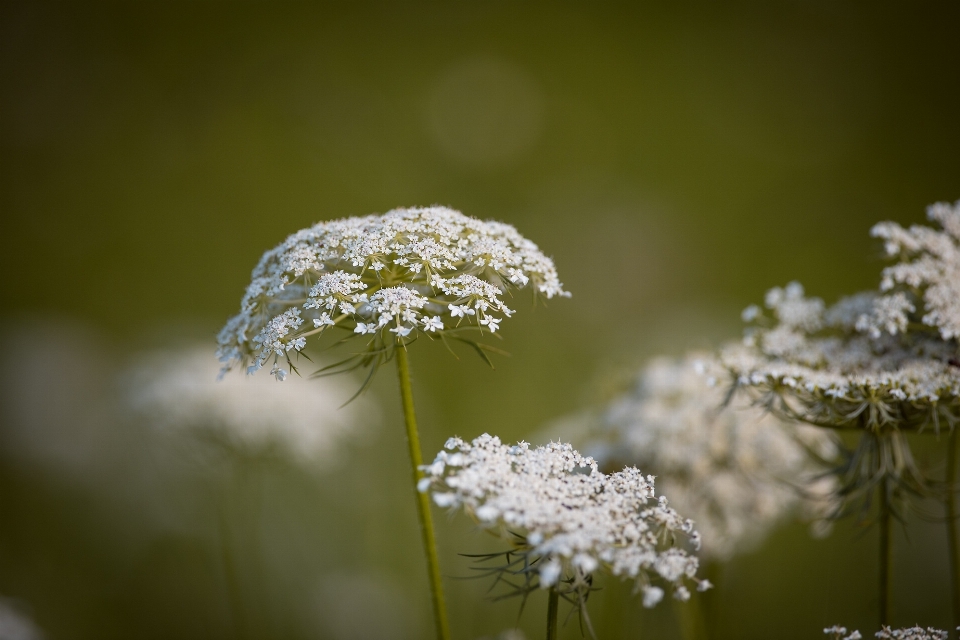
<point>675,163</point>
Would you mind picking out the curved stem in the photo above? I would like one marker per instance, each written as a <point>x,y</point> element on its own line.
<point>886,552</point>
<point>953,525</point>
<point>553,606</point>
<point>423,502</point>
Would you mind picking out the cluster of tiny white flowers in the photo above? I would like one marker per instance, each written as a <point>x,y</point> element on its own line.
<point>884,362</point>
<point>886,633</point>
<point>407,271</point>
<point>179,390</point>
<point>888,314</point>
<point>735,470</point>
<point>840,633</point>
<point>575,519</point>
<point>912,633</point>
<point>929,269</point>
<point>828,366</point>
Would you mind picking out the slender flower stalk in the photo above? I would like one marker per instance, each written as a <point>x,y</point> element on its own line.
<point>886,552</point>
<point>423,502</point>
<point>232,577</point>
<point>953,523</point>
<point>553,608</point>
<point>690,619</point>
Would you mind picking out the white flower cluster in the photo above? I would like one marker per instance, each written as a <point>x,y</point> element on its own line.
<point>840,633</point>
<point>929,272</point>
<point>575,519</point>
<point>912,633</point>
<point>830,367</point>
<point>886,633</point>
<point>424,270</point>
<point>180,390</point>
<point>883,362</point>
<point>735,470</point>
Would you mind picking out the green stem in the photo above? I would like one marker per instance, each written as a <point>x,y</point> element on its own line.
<point>953,525</point>
<point>423,502</point>
<point>886,552</point>
<point>553,606</point>
<point>690,618</point>
<point>234,593</point>
<point>713,571</point>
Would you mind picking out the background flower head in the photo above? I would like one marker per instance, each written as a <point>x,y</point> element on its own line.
<point>303,419</point>
<point>735,470</point>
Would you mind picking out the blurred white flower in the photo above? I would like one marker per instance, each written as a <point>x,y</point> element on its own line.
<point>574,518</point>
<point>55,397</point>
<point>736,471</point>
<point>339,597</point>
<point>15,624</point>
<point>179,389</point>
<point>509,634</point>
<point>403,272</point>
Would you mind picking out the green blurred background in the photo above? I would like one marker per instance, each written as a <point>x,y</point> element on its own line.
<point>675,160</point>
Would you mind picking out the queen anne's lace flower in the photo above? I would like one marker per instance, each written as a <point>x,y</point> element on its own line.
<point>421,270</point>
<point>180,390</point>
<point>886,633</point>
<point>735,470</point>
<point>828,372</point>
<point>573,518</point>
<point>912,633</point>
<point>883,362</point>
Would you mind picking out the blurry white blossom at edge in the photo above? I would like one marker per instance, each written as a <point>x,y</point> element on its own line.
<point>735,470</point>
<point>15,624</point>
<point>304,417</point>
